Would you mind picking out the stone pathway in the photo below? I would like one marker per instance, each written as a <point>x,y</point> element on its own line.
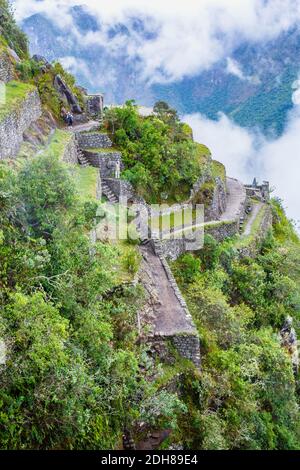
<point>251,219</point>
<point>170,315</point>
<point>236,197</point>
<point>88,126</point>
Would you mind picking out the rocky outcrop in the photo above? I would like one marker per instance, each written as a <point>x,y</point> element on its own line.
<point>14,124</point>
<point>94,105</point>
<point>67,95</point>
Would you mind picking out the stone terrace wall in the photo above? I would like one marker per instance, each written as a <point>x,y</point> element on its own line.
<point>222,230</point>
<point>218,203</point>
<point>6,67</point>
<point>93,140</point>
<point>15,124</point>
<point>106,161</point>
<point>70,154</point>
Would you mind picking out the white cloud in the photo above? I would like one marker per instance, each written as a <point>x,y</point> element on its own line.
<point>233,67</point>
<point>247,154</point>
<point>191,35</point>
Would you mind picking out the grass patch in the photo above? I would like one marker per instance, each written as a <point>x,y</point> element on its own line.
<point>85,181</point>
<point>173,220</point>
<point>203,152</point>
<point>15,94</point>
<point>218,170</point>
<point>247,240</point>
<point>58,143</point>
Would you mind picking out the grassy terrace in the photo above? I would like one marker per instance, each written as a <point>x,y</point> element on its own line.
<point>218,170</point>
<point>58,143</point>
<point>85,180</point>
<point>14,94</point>
<point>173,220</point>
<point>245,241</point>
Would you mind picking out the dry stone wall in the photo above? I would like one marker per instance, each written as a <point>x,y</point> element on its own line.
<point>93,140</point>
<point>6,67</point>
<point>13,126</point>
<point>106,161</point>
<point>70,154</point>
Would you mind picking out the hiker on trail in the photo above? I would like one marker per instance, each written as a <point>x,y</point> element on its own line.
<point>69,119</point>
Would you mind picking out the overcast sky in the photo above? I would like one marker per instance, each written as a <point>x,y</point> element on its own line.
<point>186,37</point>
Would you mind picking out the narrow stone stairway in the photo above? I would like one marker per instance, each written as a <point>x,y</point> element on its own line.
<point>109,194</point>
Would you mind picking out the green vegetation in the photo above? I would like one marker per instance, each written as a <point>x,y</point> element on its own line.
<point>244,241</point>
<point>247,394</point>
<point>85,181</point>
<point>72,378</point>
<point>173,220</point>
<point>42,77</point>
<point>15,93</point>
<point>12,35</point>
<point>162,161</point>
<point>58,143</point>
<point>218,170</point>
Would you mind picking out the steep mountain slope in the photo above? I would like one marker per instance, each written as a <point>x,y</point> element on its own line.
<point>253,86</point>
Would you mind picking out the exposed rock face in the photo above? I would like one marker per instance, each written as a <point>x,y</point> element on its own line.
<point>67,94</point>
<point>289,342</point>
<point>95,105</point>
<point>13,126</point>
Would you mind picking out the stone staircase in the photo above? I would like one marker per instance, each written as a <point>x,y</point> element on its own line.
<point>82,159</point>
<point>109,194</point>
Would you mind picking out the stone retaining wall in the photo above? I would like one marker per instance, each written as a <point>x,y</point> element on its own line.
<point>70,154</point>
<point>6,67</point>
<point>16,123</point>
<point>222,230</point>
<point>93,140</point>
<point>106,161</point>
<point>218,203</point>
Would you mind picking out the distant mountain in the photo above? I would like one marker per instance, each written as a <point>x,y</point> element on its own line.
<point>253,86</point>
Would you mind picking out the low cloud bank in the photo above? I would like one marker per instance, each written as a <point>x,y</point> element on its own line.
<point>170,39</point>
